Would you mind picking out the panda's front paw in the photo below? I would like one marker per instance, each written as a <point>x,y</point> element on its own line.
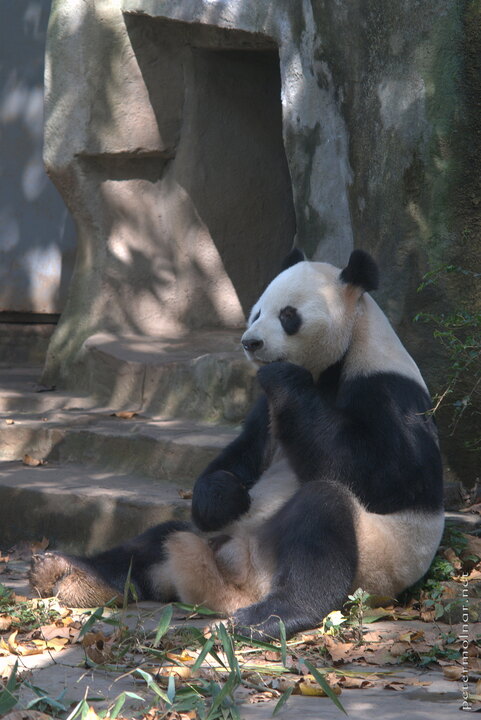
<point>218,499</point>
<point>282,377</point>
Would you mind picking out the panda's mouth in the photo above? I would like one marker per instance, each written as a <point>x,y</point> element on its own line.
<point>256,360</point>
<point>259,361</point>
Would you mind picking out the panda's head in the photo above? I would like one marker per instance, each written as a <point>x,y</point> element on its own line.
<point>307,314</point>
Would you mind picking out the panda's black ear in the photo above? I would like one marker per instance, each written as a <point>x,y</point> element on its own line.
<point>361,271</point>
<point>294,257</point>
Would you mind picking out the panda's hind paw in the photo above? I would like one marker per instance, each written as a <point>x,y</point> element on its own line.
<point>46,569</point>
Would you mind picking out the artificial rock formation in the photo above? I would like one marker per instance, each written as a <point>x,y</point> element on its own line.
<point>192,140</point>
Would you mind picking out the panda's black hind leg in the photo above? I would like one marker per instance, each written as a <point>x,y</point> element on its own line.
<point>314,543</point>
<point>100,578</point>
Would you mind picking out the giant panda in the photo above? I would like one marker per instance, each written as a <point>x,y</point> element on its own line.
<point>334,483</point>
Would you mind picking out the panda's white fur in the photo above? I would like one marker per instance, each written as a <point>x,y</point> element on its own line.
<point>237,569</point>
<point>328,318</point>
<point>337,318</point>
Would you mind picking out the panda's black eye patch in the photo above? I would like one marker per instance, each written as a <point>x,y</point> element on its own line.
<point>290,319</point>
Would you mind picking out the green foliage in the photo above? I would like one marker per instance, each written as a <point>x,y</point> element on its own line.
<point>459,332</point>
<point>357,605</point>
<point>454,538</point>
<point>26,614</point>
<point>434,653</point>
<point>8,698</point>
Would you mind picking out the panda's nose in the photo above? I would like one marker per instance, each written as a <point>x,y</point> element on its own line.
<point>252,345</point>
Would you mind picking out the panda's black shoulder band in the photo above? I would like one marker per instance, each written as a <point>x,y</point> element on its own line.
<point>361,271</point>
<point>295,256</point>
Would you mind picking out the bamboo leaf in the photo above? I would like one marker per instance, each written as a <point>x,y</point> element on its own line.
<point>7,699</point>
<point>227,689</point>
<point>164,623</point>
<point>153,685</point>
<point>283,699</point>
<point>203,654</point>
<point>283,639</point>
<point>324,684</point>
<point>94,617</point>
<point>255,643</point>
<point>197,609</point>
<point>171,688</point>
<point>228,649</point>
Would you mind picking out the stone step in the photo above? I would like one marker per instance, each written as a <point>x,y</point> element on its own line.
<point>21,391</point>
<point>165,450</point>
<point>203,375</point>
<point>24,343</point>
<point>79,509</point>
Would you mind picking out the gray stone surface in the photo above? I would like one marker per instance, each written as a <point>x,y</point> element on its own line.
<point>170,450</point>
<point>24,344</point>
<point>105,477</point>
<point>37,235</point>
<point>202,375</point>
<point>80,509</point>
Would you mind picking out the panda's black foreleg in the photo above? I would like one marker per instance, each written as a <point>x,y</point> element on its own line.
<point>221,492</point>
<point>314,549</point>
<point>308,427</point>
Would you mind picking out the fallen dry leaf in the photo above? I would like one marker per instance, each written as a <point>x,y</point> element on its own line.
<point>91,714</point>
<point>399,648</point>
<point>355,682</point>
<point>451,557</point>
<point>32,461</point>
<point>124,414</point>
<point>180,671</point>
<point>339,651</point>
<point>372,636</point>
<point>474,649</point>
<point>382,656</point>
<point>21,648</point>
<point>5,622</point>
<point>100,654</point>
<point>26,715</point>
<point>309,687</point>
<point>40,545</point>
<point>52,644</point>
<point>395,685</point>
<point>272,655</point>
<point>185,494</point>
<point>98,647</point>
<point>183,657</point>
<point>473,546</point>
<point>476,508</point>
<point>411,636</point>
<point>427,614</point>
<point>9,421</point>
<point>260,697</point>
<point>47,632</point>
<point>452,672</point>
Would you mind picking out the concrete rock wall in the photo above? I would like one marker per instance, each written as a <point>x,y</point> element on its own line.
<point>191,140</point>
<point>37,235</point>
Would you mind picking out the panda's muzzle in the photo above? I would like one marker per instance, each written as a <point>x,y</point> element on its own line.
<point>251,346</point>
